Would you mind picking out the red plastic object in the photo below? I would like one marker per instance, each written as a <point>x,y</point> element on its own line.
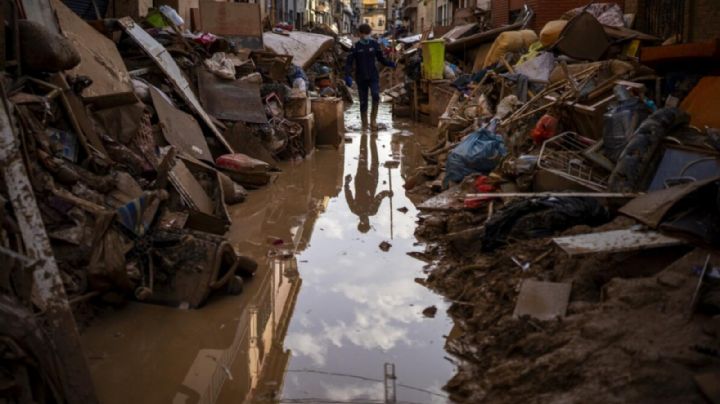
<point>545,128</point>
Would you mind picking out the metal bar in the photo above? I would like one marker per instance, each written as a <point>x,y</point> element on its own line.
<point>48,290</point>
<point>551,194</point>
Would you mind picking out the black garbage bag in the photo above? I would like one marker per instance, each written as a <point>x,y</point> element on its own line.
<point>532,218</point>
<point>636,161</point>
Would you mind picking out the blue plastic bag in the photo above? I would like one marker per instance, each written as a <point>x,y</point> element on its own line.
<point>480,152</point>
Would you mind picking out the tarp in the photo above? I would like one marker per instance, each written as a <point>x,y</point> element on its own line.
<point>304,47</point>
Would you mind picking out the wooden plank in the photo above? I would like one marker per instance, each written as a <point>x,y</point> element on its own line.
<point>230,19</point>
<point>542,300</point>
<point>615,241</point>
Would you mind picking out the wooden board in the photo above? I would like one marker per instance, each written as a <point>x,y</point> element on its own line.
<point>180,129</point>
<point>100,59</point>
<point>230,19</point>
<point>542,300</point>
<point>615,241</point>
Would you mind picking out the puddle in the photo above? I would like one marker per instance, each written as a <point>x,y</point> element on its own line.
<point>326,312</point>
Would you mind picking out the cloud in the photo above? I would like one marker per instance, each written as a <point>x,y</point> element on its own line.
<point>308,345</point>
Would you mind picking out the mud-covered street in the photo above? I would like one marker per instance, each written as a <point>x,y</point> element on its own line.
<point>327,308</point>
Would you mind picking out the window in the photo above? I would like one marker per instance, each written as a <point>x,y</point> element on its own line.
<point>380,22</point>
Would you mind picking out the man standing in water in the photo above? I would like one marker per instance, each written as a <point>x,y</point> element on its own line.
<point>362,57</point>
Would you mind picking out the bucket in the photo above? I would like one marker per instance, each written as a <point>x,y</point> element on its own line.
<point>433,54</point>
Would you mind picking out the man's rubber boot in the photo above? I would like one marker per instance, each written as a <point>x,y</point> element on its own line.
<point>373,117</point>
<point>364,120</point>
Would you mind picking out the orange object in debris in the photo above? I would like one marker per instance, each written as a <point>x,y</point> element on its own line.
<point>545,128</point>
<point>703,103</point>
<point>323,82</point>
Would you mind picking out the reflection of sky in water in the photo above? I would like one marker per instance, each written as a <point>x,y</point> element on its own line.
<point>359,307</point>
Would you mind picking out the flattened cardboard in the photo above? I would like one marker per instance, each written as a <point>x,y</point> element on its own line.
<point>240,21</point>
<point>230,19</point>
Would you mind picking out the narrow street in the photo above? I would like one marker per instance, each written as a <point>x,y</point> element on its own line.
<point>326,309</point>
<point>194,211</point>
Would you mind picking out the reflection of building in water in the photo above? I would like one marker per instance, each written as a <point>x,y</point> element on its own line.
<point>252,367</point>
<point>256,352</point>
<point>407,151</point>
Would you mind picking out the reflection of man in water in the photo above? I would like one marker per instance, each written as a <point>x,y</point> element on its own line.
<point>365,203</point>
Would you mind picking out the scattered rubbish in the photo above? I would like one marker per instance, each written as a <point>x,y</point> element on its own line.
<point>403,210</point>
<point>385,246</point>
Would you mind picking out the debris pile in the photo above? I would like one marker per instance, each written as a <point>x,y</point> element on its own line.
<point>123,144</point>
<point>573,201</point>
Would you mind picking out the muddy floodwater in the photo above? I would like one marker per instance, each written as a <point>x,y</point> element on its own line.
<point>327,310</point>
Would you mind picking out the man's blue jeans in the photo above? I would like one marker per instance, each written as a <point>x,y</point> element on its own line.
<point>363,86</point>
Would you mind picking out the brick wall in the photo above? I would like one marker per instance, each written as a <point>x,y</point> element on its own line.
<point>545,10</point>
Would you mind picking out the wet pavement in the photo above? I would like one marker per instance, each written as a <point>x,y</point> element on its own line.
<point>327,309</point>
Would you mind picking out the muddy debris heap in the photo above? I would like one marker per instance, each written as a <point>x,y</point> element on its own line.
<point>122,143</point>
<point>571,207</point>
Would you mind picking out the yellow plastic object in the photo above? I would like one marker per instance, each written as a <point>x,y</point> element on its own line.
<point>433,54</point>
<point>509,41</point>
<point>551,32</point>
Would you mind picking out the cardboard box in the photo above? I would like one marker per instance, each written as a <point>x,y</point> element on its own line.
<point>329,121</point>
<point>297,107</point>
<point>308,125</point>
<point>240,22</point>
